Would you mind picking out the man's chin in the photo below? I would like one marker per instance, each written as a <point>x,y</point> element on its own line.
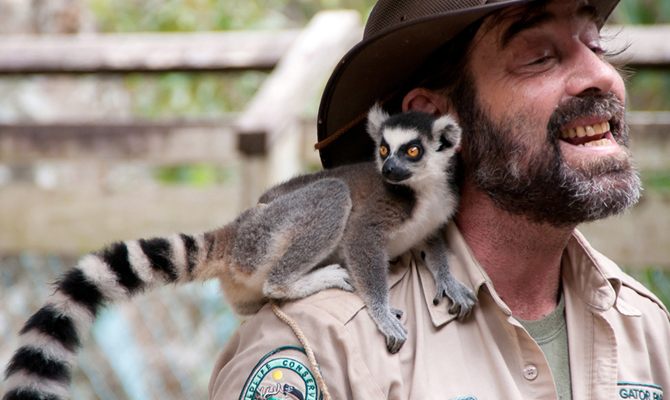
<point>602,189</point>
<point>584,156</point>
<point>564,195</point>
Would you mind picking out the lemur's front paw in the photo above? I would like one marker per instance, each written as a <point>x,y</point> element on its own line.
<point>391,328</point>
<point>397,312</point>
<point>462,298</point>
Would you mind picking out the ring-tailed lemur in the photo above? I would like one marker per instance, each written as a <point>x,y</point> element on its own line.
<point>294,243</point>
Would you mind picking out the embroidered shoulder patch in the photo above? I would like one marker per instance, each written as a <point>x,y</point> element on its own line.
<point>639,391</point>
<point>279,375</point>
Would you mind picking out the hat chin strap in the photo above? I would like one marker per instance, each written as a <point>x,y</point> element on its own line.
<point>330,139</point>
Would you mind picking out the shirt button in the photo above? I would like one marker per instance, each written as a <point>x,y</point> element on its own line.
<point>530,372</point>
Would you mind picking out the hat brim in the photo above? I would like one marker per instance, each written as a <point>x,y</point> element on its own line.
<point>376,67</point>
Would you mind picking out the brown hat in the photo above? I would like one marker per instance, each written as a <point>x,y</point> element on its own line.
<point>399,36</point>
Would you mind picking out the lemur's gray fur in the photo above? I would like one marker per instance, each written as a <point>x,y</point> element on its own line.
<point>336,228</point>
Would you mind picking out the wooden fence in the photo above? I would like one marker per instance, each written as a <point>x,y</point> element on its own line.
<point>69,187</point>
<point>270,140</point>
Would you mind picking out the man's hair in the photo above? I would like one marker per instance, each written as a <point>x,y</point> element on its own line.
<point>447,67</point>
<point>441,71</point>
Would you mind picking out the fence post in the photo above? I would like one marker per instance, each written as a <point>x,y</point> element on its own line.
<point>269,126</point>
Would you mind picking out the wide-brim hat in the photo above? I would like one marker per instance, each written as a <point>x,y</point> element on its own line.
<point>399,36</point>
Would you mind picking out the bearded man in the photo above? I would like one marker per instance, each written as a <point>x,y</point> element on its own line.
<point>545,148</point>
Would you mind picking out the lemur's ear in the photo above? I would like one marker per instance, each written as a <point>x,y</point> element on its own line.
<point>376,117</point>
<point>448,132</point>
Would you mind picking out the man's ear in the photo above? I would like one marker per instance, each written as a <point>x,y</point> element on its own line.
<point>428,101</point>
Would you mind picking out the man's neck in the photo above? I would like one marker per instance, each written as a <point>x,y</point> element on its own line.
<point>522,258</point>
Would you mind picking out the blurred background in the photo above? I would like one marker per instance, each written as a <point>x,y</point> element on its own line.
<point>122,119</point>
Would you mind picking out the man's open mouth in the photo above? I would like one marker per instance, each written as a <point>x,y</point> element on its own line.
<point>589,135</point>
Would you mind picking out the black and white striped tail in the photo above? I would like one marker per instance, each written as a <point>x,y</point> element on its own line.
<point>42,367</point>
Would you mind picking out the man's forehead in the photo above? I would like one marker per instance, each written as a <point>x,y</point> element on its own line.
<point>512,22</point>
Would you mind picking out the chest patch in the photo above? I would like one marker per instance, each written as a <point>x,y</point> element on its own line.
<point>639,391</point>
<point>279,375</point>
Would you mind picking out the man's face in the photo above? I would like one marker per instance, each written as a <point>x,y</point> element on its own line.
<point>545,134</point>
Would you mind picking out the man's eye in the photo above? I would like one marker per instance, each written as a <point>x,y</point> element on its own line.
<point>540,56</point>
<point>541,60</point>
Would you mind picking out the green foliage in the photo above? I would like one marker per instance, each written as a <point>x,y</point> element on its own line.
<point>196,95</point>
<point>642,12</point>
<point>192,94</point>
<point>656,280</point>
<point>199,175</point>
<point>176,15</point>
<point>206,15</point>
<point>648,91</point>
<point>656,181</point>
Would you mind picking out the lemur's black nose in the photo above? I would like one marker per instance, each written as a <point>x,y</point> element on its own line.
<point>394,172</point>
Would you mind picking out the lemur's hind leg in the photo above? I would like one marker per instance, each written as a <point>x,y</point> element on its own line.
<point>297,286</point>
<point>301,230</point>
<point>434,253</point>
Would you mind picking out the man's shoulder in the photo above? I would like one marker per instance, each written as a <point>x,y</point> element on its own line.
<point>628,288</point>
<point>266,351</point>
<point>331,310</point>
<point>332,306</point>
<point>637,295</point>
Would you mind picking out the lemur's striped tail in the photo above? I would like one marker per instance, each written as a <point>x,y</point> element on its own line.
<point>42,367</point>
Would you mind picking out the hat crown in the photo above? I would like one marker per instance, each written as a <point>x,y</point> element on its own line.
<point>391,13</point>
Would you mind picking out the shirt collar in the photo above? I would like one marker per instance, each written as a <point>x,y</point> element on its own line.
<point>464,267</point>
<point>595,278</point>
<point>587,273</point>
<point>591,275</point>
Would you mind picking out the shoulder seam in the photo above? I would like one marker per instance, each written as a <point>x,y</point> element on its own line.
<point>351,318</point>
<point>343,318</point>
<point>646,294</point>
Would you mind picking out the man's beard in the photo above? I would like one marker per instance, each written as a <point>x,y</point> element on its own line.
<point>537,183</point>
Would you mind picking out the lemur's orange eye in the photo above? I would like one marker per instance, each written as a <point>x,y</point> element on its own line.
<point>383,151</point>
<point>413,151</point>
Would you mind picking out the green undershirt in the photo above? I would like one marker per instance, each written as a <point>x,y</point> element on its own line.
<point>551,334</point>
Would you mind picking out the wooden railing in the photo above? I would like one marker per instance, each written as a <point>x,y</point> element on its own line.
<point>648,46</point>
<point>152,52</point>
<point>270,140</point>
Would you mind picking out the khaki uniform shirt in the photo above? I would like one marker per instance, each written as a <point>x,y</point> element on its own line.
<point>618,334</point>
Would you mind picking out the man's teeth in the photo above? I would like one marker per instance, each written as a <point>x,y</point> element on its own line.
<point>587,130</point>
<point>601,142</point>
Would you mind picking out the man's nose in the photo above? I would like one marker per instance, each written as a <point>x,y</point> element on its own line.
<point>591,74</point>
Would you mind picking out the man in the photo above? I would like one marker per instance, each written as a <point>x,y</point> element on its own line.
<point>545,148</point>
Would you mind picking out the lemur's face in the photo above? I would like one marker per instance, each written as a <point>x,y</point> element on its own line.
<point>413,147</point>
<point>402,154</point>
